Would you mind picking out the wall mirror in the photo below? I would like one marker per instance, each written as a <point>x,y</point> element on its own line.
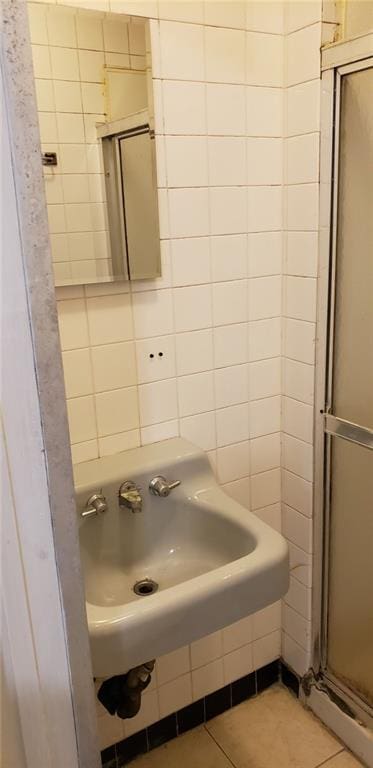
<point>94,92</point>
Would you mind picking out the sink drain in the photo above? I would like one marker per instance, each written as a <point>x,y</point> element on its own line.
<point>145,587</point>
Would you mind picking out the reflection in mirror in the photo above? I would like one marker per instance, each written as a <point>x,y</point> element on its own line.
<point>94,94</point>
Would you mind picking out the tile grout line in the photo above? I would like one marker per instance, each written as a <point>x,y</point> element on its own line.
<point>219,746</point>
<point>328,759</point>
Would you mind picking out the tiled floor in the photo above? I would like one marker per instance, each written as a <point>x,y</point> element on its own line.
<point>272,730</point>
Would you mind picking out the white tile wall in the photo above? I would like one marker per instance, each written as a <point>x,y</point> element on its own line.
<point>204,352</point>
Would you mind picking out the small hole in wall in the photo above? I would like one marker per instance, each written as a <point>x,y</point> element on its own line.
<point>151,355</point>
<point>160,354</point>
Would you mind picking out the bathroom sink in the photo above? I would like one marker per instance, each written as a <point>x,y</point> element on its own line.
<point>186,565</point>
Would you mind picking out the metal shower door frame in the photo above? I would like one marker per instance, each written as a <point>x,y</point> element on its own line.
<point>346,58</point>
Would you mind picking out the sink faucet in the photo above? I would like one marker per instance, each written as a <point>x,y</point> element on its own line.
<point>160,487</point>
<point>129,496</point>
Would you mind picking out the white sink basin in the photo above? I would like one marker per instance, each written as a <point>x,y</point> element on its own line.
<point>214,562</point>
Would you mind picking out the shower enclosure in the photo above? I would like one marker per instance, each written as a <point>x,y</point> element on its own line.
<point>343,610</point>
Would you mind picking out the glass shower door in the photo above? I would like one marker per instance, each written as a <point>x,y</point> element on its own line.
<point>348,652</point>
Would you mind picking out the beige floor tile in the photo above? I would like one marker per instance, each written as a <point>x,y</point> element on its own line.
<point>273,731</point>
<point>195,749</point>
<point>343,760</point>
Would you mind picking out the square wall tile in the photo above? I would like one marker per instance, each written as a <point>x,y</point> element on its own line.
<point>44,95</point>
<point>229,302</point>
<point>264,209</point>
<point>93,98</point>
<point>300,565</point>
<point>37,16</point>
<point>299,381</point>
<point>264,161</point>
<point>225,55</point>
<point>267,620</point>
<point>175,695</point>
<point>265,453</point>
<point>239,490</point>
<point>302,159</point>
<point>302,253</point>
<point>265,488</point>
<point>158,402</point>
<point>64,62</point>
<point>114,366</point>
<point>230,345</point>
<point>41,61</point>
<point>194,352</point>
<point>265,253</point>
<point>271,515</point>
<point>155,359</point>
<point>237,634</point>
<point>232,424</point>
<point>192,308</point>
<point>225,106</point>
<point>231,385</point>
<point>115,35</point>
<point>82,420</point>
<point>268,17</point>
<point>303,55</point>
<point>228,257</point>
<point>61,27</point>
<point>91,66</point>
<point>117,411</point>
<point>299,15</point>
<point>265,378</point>
<point>67,96</point>
<point>190,258</point>
<point>264,297</point>
<point>297,528</point>
<point>77,373</point>
<point>303,108</point>
<point>196,393</point>
<point>297,419</point>
<point>264,108</point>
<point>264,59</point>
<point>207,679</point>
<point>297,493</point>
<point>188,212</point>
<point>226,156</point>
<point>184,107</point>
<point>110,319</point>
<point>303,207</point>
<point>265,416</point>
<point>206,649</point>
<point>266,649</point>
<point>70,128</point>
<point>233,463</point>
<point>72,319</point>
<point>200,430</point>
<point>181,11</point>
<point>297,457</point>
<point>152,313</point>
<point>123,441</point>
<point>265,339</point>
<point>300,302</point>
<point>181,51</point>
<point>300,338</point>
<point>228,210</point>
<point>186,158</point>
<point>238,663</point>
<point>294,655</point>
<point>172,665</point>
<point>89,31</point>
<point>226,14</point>
<point>157,432</point>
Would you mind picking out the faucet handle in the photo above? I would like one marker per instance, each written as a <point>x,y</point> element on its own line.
<point>129,496</point>
<point>160,487</point>
<point>95,505</point>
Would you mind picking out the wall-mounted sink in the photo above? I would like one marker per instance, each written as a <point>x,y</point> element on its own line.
<point>199,560</point>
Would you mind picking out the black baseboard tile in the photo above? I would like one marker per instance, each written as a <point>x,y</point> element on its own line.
<point>267,675</point>
<point>217,702</point>
<point>131,747</point>
<point>289,678</point>
<point>243,688</point>
<point>109,757</point>
<point>190,716</point>
<point>162,731</point>
<point>195,714</point>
